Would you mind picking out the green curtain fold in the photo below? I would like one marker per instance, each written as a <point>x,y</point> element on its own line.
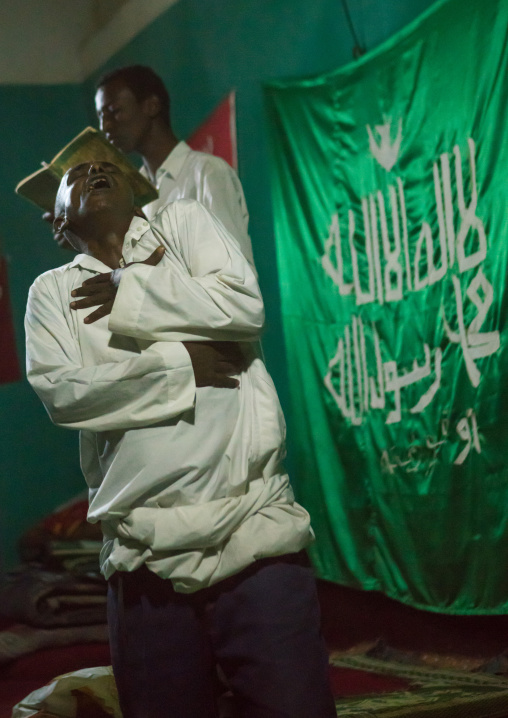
<point>389,191</point>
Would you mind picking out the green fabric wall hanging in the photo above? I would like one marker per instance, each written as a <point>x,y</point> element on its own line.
<point>390,201</point>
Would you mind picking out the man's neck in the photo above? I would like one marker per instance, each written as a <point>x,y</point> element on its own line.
<point>106,245</point>
<point>156,147</point>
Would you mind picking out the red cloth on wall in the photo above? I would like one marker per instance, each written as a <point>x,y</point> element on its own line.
<point>9,364</point>
<point>217,134</point>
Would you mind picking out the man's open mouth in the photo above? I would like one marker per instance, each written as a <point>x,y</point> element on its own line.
<point>98,182</point>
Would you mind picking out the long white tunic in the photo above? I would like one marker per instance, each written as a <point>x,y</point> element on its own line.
<point>188,481</point>
<point>187,174</point>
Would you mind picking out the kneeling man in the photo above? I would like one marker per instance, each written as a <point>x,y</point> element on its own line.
<point>146,343</point>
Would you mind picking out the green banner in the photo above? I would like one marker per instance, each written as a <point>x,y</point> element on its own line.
<point>390,196</point>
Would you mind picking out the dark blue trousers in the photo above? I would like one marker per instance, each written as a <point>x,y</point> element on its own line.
<point>262,627</point>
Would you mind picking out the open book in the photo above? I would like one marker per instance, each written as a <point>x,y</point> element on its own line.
<point>41,187</point>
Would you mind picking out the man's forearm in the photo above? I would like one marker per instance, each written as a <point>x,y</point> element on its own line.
<point>153,386</point>
<point>158,304</point>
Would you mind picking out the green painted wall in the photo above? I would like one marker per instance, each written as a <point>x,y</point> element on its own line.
<point>202,49</point>
<point>39,466</point>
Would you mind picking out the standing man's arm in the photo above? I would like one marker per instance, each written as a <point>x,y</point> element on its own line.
<point>221,192</point>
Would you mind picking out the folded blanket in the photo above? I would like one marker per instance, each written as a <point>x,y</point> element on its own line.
<point>67,525</point>
<point>19,640</point>
<point>44,598</point>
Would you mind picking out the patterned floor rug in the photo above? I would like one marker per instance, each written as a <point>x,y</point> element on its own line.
<point>430,693</point>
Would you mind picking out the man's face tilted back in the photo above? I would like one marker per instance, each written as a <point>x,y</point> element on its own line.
<point>125,120</point>
<point>90,193</point>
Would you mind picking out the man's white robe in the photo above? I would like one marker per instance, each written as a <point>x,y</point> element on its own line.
<point>187,480</point>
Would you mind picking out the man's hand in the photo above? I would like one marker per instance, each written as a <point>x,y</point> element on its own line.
<point>101,290</point>
<point>215,363</point>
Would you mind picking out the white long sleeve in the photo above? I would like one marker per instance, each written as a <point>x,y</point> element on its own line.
<point>188,481</point>
<point>207,291</point>
<point>147,387</point>
<point>221,192</point>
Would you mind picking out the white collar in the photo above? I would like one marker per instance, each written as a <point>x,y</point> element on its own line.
<point>172,165</point>
<point>137,228</point>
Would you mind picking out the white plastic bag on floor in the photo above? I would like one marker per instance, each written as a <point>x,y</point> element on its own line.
<point>90,693</point>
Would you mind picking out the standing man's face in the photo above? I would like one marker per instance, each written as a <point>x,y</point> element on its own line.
<point>123,119</point>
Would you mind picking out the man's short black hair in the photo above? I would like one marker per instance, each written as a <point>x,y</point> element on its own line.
<point>142,82</point>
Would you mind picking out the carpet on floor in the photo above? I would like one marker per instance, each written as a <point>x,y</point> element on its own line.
<point>365,687</point>
<point>422,692</point>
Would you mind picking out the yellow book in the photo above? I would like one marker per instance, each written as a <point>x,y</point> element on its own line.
<point>41,186</point>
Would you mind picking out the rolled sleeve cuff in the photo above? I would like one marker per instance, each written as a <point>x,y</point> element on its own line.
<point>180,374</point>
<point>124,317</point>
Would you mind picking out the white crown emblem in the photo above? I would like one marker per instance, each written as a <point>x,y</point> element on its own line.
<point>386,152</point>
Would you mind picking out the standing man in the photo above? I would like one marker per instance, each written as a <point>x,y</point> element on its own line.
<point>133,108</point>
<point>203,538</point>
